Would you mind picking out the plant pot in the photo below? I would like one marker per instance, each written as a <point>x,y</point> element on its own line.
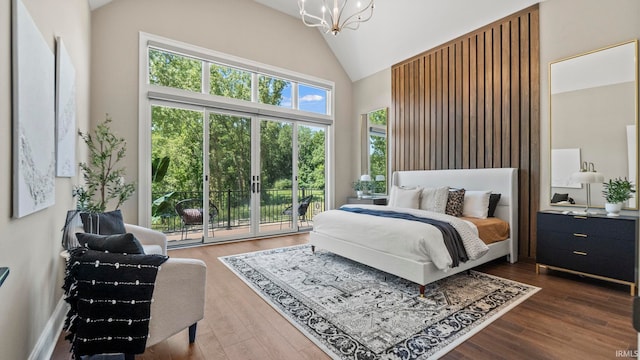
<point>359,194</point>
<point>613,209</point>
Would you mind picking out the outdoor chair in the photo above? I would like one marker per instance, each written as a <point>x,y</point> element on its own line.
<point>303,205</point>
<point>191,214</point>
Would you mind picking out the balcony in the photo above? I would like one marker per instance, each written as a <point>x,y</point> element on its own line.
<point>233,215</point>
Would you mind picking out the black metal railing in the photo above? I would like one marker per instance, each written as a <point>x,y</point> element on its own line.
<point>234,207</point>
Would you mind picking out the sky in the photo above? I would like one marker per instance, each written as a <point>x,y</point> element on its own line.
<point>310,98</point>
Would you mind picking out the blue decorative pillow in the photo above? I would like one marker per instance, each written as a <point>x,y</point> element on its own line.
<point>107,223</point>
<point>118,243</point>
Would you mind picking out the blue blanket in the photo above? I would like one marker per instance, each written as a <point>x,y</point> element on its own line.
<point>452,239</point>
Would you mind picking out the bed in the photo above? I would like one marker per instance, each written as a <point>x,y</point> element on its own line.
<point>499,180</point>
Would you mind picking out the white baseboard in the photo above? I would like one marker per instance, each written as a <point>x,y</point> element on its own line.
<point>49,337</point>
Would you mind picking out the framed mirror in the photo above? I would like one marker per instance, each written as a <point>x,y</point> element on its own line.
<point>374,148</point>
<point>593,101</point>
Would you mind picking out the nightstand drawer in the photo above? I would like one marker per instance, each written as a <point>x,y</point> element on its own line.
<point>590,263</point>
<point>593,226</point>
<point>608,247</point>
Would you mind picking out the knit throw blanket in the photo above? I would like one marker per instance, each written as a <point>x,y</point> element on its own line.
<point>110,296</point>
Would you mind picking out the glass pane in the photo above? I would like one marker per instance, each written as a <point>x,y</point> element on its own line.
<point>176,148</point>
<point>312,99</point>
<point>311,171</point>
<point>274,91</point>
<point>378,117</point>
<point>276,174</point>
<point>173,70</point>
<point>378,150</point>
<point>230,173</point>
<point>230,82</point>
<point>378,161</point>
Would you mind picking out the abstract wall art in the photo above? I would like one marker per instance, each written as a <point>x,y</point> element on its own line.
<point>33,77</point>
<point>65,112</point>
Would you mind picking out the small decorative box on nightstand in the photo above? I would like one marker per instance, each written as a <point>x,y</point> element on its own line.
<point>596,246</point>
<point>378,200</point>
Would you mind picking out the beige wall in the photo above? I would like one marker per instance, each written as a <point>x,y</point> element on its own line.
<point>30,246</point>
<point>369,94</point>
<point>571,27</point>
<point>240,27</point>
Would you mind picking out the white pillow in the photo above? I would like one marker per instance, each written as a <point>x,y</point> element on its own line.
<point>476,204</point>
<point>405,198</point>
<point>434,199</point>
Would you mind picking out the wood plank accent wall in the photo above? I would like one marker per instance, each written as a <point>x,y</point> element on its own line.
<point>474,102</point>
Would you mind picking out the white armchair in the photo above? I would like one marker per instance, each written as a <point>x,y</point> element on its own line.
<point>179,293</point>
<point>153,242</point>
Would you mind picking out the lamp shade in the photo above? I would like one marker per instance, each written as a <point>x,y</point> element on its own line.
<point>379,177</point>
<point>587,177</point>
<point>365,177</point>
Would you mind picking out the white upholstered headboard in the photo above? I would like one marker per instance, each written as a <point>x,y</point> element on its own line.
<point>499,180</point>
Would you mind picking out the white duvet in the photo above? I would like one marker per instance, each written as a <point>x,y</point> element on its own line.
<point>405,238</point>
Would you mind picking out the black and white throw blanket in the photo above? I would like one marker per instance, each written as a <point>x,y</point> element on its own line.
<point>110,297</point>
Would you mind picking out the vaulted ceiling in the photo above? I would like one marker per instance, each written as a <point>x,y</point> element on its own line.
<point>400,29</point>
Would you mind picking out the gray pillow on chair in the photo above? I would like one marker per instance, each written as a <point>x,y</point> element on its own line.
<point>103,223</point>
<point>118,243</point>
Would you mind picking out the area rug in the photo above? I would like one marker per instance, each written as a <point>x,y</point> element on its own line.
<point>352,311</point>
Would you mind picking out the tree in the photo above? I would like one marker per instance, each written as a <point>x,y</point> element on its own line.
<point>161,206</point>
<point>378,146</point>
<point>104,180</point>
<point>177,133</point>
<point>311,157</point>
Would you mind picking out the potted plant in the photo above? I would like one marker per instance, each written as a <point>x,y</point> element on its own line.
<point>359,187</point>
<point>103,177</point>
<point>616,191</point>
<point>103,182</point>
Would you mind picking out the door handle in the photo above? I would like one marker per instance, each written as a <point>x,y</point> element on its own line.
<point>580,253</point>
<point>580,235</point>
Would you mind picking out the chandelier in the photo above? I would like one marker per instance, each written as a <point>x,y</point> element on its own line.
<point>340,16</point>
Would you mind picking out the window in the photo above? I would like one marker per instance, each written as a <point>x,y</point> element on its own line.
<point>229,82</point>
<point>274,91</point>
<point>312,99</point>
<point>173,70</point>
<point>244,141</point>
<point>377,131</point>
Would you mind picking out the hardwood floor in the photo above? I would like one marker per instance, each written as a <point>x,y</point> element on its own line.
<point>570,318</point>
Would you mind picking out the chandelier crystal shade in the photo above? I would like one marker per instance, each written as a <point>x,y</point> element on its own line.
<point>333,19</point>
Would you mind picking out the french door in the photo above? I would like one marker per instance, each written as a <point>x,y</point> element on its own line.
<point>234,176</point>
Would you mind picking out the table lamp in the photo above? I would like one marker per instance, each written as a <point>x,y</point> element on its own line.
<point>380,179</point>
<point>587,175</point>
<point>367,188</point>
